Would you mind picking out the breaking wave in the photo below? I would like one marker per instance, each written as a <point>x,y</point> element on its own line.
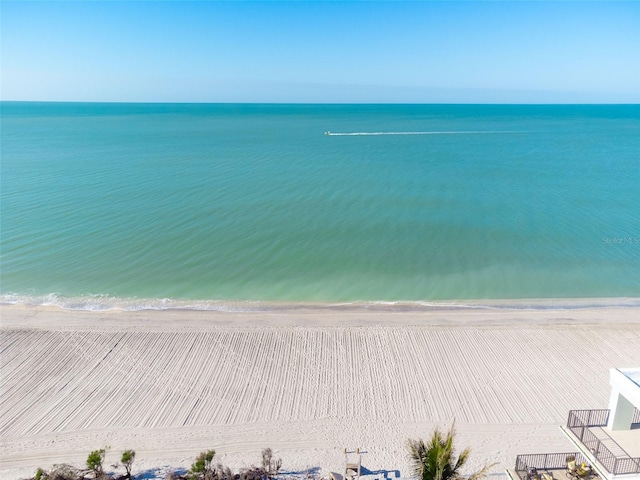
<point>99,303</point>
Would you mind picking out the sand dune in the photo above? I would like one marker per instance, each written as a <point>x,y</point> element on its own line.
<point>74,381</point>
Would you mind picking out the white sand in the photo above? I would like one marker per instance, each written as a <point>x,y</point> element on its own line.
<point>306,382</point>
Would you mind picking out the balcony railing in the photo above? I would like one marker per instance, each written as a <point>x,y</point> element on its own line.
<point>588,418</point>
<point>544,461</point>
<point>579,423</point>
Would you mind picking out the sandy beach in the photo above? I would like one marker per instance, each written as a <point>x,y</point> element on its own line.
<point>305,381</point>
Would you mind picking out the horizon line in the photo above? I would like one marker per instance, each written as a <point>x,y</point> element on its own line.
<point>142,102</point>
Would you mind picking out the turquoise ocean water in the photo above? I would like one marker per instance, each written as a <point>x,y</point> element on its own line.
<point>202,206</point>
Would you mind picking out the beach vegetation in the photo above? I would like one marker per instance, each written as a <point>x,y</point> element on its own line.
<point>220,472</point>
<point>95,461</point>
<point>128,456</point>
<point>61,471</point>
<point>250,474</point>
<point>202,468</point>
<point>436,459</point>
<point>267,470</point>
<point>270,466</point>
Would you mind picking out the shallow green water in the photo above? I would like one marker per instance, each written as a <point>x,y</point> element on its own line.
<point>130,205</point>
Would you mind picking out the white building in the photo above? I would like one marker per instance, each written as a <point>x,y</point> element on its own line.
<point>610,439</point>
<point>624,399</point>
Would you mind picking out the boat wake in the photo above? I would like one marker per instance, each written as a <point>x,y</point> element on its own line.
<point>472,132</point>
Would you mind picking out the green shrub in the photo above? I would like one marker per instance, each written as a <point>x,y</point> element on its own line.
<point>94,462</point>
<point>202,467</point>
<point>128,456</point>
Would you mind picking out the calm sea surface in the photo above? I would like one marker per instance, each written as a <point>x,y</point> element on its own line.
<point>155,205</point>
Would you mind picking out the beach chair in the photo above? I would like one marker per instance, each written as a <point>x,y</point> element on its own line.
<point>352,469</point>
<point>547,476</point>
<point>577,471</point>
<point>572,469</point>
<point>583,470</point>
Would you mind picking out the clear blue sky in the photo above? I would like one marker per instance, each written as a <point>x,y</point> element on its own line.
<point>300,51</point>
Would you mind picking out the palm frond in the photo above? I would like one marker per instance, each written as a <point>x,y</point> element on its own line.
<point>436,460</point>
<point>482,472</point>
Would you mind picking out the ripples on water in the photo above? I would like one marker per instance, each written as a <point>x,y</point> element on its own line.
<point>226,203</point>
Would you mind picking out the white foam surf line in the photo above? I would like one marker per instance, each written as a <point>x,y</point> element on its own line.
<point>101,303</point>
<point>351,134</point>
